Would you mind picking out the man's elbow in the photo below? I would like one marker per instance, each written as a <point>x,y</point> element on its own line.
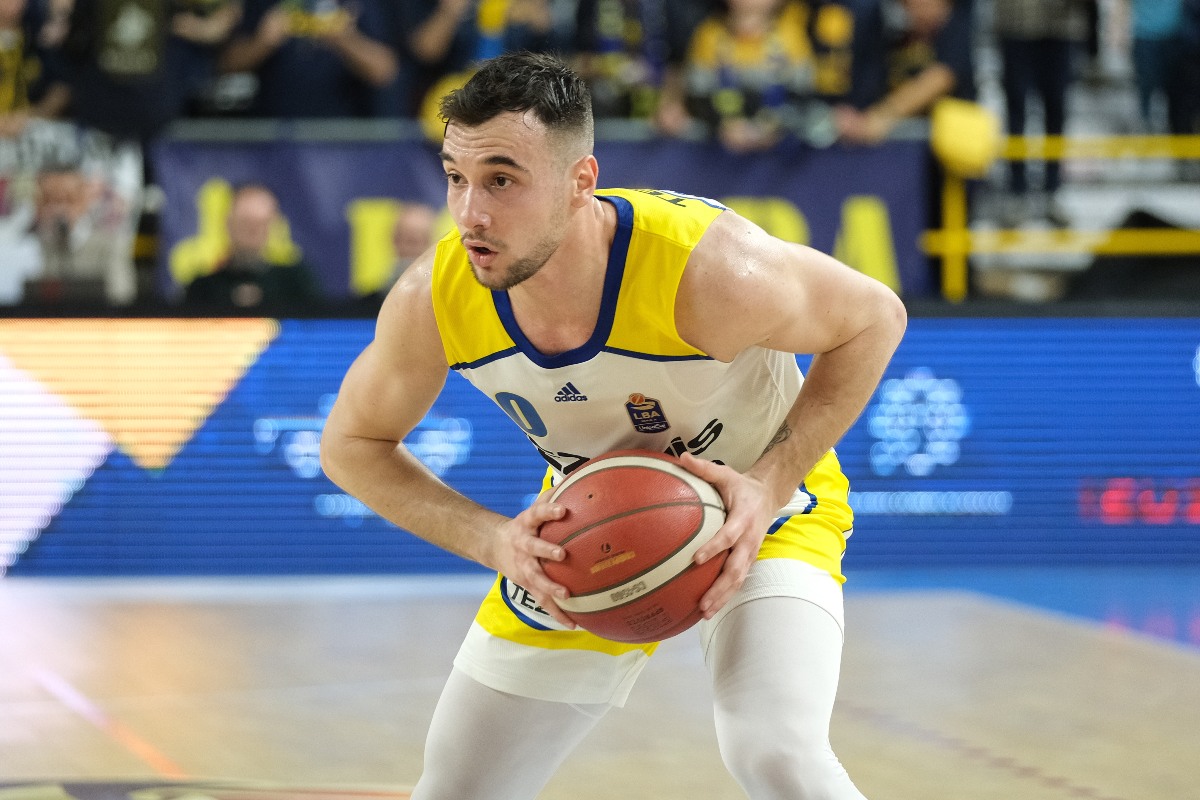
<point>892,314</point>
<point>329,455</point>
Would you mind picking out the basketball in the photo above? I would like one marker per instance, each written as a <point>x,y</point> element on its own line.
<point>634,521</point>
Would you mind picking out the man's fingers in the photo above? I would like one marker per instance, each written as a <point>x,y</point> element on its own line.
<point>708,470</point>
<point>733,575</point>
<point>551,608</point>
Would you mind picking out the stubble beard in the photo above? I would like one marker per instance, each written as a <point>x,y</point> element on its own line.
<point>522,269</point>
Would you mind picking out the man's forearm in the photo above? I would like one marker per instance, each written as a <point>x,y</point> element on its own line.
<point>837,388</point>
<point>390,481</point>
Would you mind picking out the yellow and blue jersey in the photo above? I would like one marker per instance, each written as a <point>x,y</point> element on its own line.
<point>634,384</point>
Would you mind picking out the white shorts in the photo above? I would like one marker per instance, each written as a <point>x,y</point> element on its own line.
<point>547,662</point>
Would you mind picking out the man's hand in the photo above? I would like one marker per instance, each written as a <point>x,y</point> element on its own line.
<point>518,552</point>
<point>748,515</point>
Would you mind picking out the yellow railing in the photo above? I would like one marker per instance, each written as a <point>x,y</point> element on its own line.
<point>955,241</point>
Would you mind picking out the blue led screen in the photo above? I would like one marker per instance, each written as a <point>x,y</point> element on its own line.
<point>132,447</point>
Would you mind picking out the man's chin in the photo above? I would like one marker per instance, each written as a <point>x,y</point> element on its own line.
<point>488,279</point>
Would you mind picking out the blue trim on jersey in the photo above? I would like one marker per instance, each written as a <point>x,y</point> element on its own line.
<point>517,613</point>
<point>614,273</point>
<point>812,500</point>
<point>479,362</point>
<point>648,357</point>
<point>777,524</point>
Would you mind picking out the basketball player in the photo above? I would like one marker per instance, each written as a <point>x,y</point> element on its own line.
<point>619,319</point>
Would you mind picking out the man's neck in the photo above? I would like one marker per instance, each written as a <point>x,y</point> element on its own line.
<point>558,308</point>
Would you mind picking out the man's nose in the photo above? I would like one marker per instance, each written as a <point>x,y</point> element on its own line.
<point>475,209</point>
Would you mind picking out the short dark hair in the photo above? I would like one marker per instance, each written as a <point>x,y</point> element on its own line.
<point>519,82</point>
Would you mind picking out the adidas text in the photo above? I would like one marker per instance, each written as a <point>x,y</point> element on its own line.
<point>569,394</point>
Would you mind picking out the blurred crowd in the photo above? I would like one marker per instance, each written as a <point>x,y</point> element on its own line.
<point>751,71</point>
<point>745,72</point>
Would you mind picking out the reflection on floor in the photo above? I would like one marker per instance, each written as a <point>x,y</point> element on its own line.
<point>1163,602</point>
<point>956,685</point>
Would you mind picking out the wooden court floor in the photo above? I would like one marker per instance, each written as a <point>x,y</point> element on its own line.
<point>311,683</point>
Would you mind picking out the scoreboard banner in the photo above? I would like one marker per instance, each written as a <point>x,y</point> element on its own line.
<point>190,446</point>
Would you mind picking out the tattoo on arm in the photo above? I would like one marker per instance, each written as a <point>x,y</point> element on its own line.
<point>780,437</point>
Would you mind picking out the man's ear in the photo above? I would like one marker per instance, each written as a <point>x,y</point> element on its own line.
<point>585,173</point>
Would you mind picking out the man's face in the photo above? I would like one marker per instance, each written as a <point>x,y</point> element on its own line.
<point>250,221</point>
<point>62,195</point>
<point>10,12</point>
<point>509,193</point>
<point>413,232</point>
<point>926,17</point>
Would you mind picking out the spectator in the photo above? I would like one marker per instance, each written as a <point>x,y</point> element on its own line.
<point>1037,39</point>
<point>81,224</point>
<point>751,76</point>
<point>317,58</point>
<point>631,54</point>
<point>1191,72</point>
<point>30,84</point>
<point>133,67</point>
<point>438,38</point>
<point>926,55</point>
<point>1160,65</point>
<point>412,234</point>
<point>252,276</point>
<point>443,38</point>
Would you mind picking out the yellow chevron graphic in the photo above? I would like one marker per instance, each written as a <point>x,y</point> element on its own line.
<point>149,382</point>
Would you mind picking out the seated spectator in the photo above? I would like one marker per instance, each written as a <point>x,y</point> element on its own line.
<point>314,59</point>
<point>30,81</point>
<point>133,68</point>
<point>251,276</point>
<point>412,234</point>
<point>751,75</point>
<point>85,241</point>
<point>926,55</point>
<point>631,54</point>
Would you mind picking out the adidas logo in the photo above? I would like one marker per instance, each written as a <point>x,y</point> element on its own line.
<point>569,394</point>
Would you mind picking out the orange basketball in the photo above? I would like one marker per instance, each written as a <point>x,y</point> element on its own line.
<point>634,521</point>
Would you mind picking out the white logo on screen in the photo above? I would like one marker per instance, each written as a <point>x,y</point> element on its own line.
<point>918,421</point>
<point>1196,365</point>
<point>438,442</point>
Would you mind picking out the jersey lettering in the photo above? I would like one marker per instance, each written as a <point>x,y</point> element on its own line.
<point>698,444</point>
<point>681,199</point>
<point>564,463</point>
<point>521,596</point>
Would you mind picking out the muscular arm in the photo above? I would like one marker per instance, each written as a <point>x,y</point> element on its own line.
<point>744,288</point>
<point>385,394</point>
